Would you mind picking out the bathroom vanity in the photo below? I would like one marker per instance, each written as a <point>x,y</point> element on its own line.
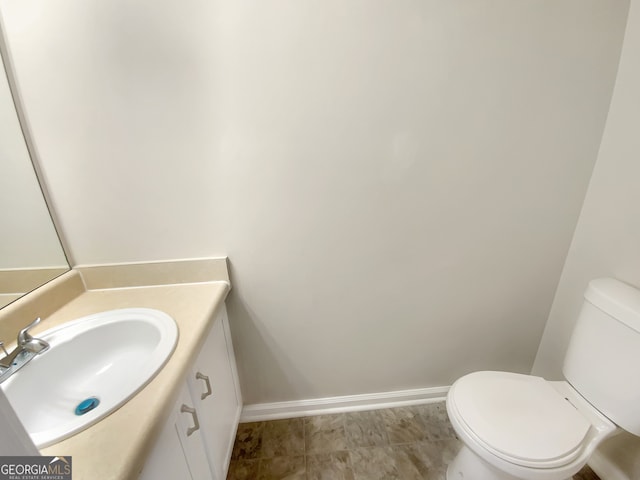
<point>197,439</point>
<point>182,424</point>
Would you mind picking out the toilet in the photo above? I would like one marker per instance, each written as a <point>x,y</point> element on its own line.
<point>523,427</point>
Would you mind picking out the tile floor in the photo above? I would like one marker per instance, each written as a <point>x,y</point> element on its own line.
<point>398,443</point>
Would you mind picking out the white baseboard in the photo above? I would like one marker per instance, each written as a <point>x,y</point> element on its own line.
<point>350,403</point>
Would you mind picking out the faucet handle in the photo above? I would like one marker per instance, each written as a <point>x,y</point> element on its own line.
<point>23,336</point>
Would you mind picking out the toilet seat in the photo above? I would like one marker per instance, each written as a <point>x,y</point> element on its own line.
<point>521,419</point>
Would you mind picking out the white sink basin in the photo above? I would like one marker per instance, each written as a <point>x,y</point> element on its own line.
<point>109,356</point>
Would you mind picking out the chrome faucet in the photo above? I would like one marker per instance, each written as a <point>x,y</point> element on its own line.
<point>27,347</point>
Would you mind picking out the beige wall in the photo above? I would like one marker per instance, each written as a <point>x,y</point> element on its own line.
<point>396,183</point>
<point>119,96</point>
<point>607,237</point>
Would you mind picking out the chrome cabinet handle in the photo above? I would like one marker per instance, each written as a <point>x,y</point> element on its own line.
<point>196,425</point>
<point>200,376</point>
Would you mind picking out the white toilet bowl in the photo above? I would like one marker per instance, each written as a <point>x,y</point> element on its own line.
<point>517,427</point>
<point>521,427</point>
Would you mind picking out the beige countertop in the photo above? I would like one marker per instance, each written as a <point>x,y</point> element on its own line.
<point>116,447</point>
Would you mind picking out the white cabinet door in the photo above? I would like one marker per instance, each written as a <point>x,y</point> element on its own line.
<point>197,439</point>
<point>190,435</point>
<point>213,386</point>
<point>179,451</point>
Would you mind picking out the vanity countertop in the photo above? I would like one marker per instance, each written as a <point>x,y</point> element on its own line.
<point>116,447</point>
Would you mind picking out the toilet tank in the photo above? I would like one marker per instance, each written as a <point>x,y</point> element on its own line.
<point>603,359</point>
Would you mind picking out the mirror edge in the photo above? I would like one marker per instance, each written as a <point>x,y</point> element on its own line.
<point>7,64</point>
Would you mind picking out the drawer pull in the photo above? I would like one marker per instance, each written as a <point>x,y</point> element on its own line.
<point>200,376</point>
<point>194,415</point>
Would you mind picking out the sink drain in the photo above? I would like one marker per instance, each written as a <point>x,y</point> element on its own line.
<point>87,405</point>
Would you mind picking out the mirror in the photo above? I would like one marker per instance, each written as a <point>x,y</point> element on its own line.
<point>30,250</point>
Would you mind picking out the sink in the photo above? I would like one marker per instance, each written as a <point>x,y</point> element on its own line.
<point>94,365</point>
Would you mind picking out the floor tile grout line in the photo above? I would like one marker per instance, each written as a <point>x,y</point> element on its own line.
<point>304,448</point>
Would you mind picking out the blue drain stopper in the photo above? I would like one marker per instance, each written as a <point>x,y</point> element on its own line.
<point>87,405</point>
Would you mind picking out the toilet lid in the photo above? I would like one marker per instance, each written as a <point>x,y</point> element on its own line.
<point>521,418</point>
